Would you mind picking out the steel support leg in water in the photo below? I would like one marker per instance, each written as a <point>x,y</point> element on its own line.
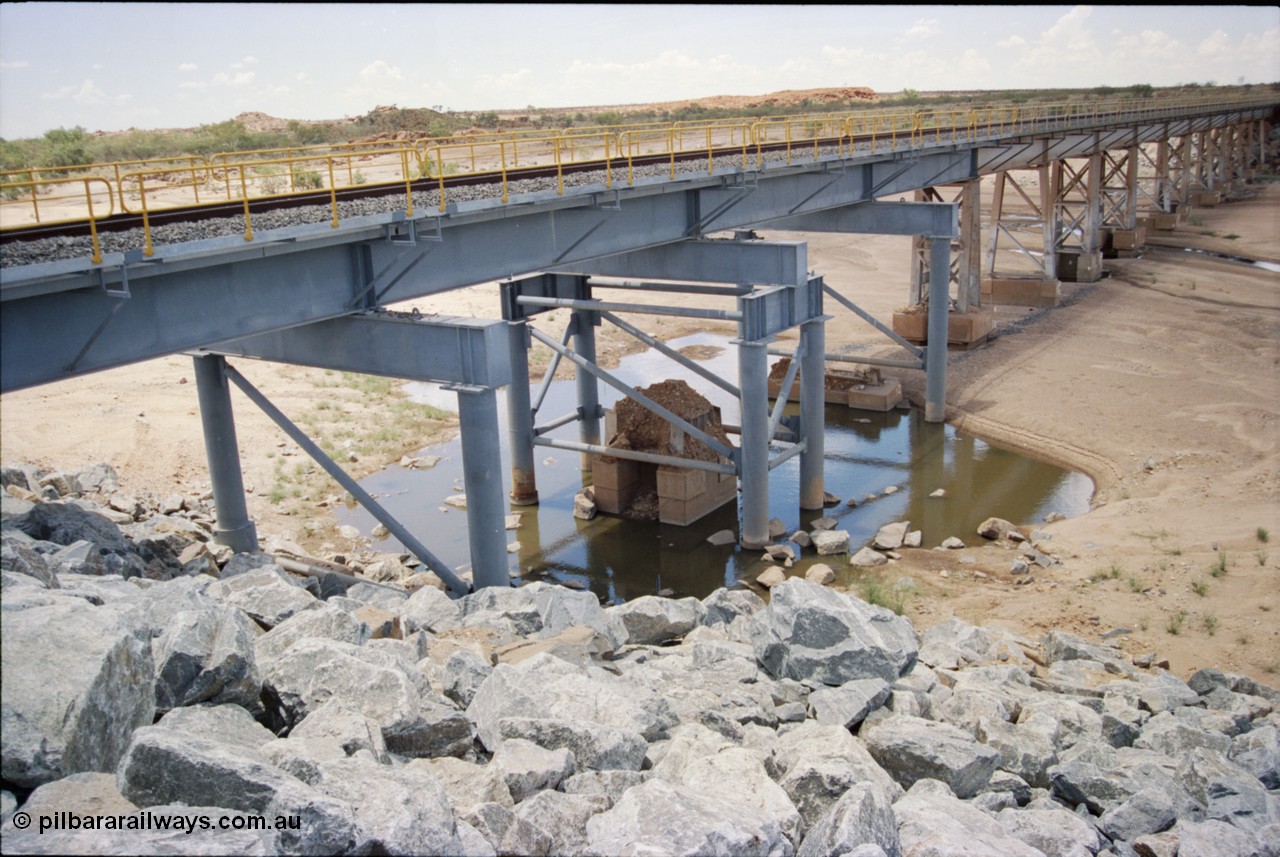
<point>235,530</point>
<point>584,343</point>
<point>482,477</point>
<point>812,412</point>
<point>753,373</point>
<point>935,385</point>
<point>524,483</point>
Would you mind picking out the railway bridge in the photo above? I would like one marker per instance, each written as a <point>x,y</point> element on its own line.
<point>296,255</point>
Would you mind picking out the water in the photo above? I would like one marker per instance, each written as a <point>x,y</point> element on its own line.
<point>866,452</point>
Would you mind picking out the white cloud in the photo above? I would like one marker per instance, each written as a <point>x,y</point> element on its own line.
<point>301,77</point>
<point>98,66</point>
<point>249,60</point>
<point>1011,42</point>
<point>240,78</point>
<point>1215,44</point>
<point>379,70</point>
<point>924,28</point>
<point>504,81</point>
<point>85,94</point>
<point>14,64</point>
<point>187,66</point>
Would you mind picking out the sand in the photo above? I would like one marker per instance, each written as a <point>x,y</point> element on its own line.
<point>1162,382</point>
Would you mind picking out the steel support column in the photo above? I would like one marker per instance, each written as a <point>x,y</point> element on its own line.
<point>935,406</point>
<point>235,530</point>
<point>753,467</point>
<point>965,265</point>
<point>524,482</point>
<point>812,412</point>
<point>584,343</point>
<point>482,478</point>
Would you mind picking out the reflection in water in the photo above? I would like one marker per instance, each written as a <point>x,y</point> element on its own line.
<point>866,452</point>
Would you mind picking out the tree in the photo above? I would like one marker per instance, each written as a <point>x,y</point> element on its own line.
<point>65,147</point>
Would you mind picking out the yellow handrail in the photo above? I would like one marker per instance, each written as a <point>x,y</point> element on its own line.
<point>164,183</point>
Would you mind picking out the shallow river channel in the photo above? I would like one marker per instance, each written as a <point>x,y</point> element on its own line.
<point>866,452</point>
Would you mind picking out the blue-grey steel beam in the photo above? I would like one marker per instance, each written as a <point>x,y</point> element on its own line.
<point>930,219</point>
<point>762,263</point>
<point>812,349</point>
<point>235,529</point>
<point>753,464</point>
<point>441,349</point>
<point>482,479</point>
<point>589,410</point>
<point>524,479</point>
<point>935,371</point>
<point>190,295</point>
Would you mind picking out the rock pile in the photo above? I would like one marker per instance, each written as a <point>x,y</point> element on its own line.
<point>536,721</point>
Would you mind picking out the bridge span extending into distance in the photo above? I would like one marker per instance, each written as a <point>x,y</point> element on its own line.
<point>295,256</point>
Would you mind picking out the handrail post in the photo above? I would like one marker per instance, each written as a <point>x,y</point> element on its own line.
<point>333,193</point>
<point>244,194</point>
<point>93,222</point>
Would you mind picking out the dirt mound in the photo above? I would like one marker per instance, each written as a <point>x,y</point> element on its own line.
<point>641,429</point>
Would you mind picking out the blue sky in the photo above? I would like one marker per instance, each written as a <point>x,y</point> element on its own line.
<point>112,66</point>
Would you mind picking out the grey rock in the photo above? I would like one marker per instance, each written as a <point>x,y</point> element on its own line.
<point>1063,722</point>
<point>955,643</point>
<point>1167,734</point>
<point>816,764</point>
<point>890,536</point>
<point>952,543</point>
<point>164,765</point>
<point>9,804</point>
<point>430,609</point>
<point>848,704</point>
<point>651,620</point>
<point>19,558</point>
<point>1054,831</point>
<point>1077,781</point>
<point>527,768</point>
<point>752,787</point>
<point>724,605</point>
<point>1003,782</point>
<point>688,743</point>
<point>660,818</point>
<point>998,528</point>
<point>206,656</point>
<point>84,794</point>
<point>863,816</point>
<point>771,577</point>
<point>508,834</point>
<point>821,574</point>
<point>464,672</point>
<point>266,594</point>
<point>403,809</point>
<point>1149,810</point>
<point>467,784</point>
<point>611,784</point>
<point>1061,646</point>
<point>80,557</point>
<point>810,632</point>
<point>594,747</point>
<point>546,687</point>
<point>830,542</point>
<point>415,721</point>
<point>340,724</point>
<point>77,681</point>
<point>721,538</point>
<point>1216,839</point>
<point>932,821</point>
<point>66,524</point>
<point>868,558</point>
<point>323,621</point>
<point>912,749</point>
<point>1258,752</point>
<point>563,817</point>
